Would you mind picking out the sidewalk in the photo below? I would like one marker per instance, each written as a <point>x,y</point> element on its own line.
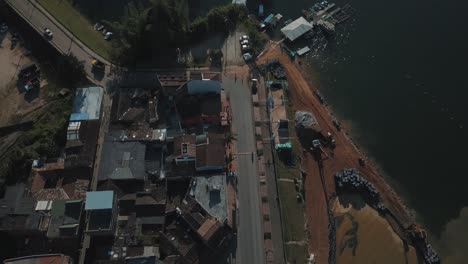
<point>268,188</point>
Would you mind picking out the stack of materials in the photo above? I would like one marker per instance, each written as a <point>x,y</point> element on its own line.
<point>307,126</point>
<point>351,180</point>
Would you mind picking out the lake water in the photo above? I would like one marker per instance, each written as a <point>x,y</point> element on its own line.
<point>396,74</point>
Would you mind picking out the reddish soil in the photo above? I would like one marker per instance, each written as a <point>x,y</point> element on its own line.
<point>345,155</point>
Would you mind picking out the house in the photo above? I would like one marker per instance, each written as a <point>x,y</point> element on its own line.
<point>176,240</point>
<point>143,260</point>
<point>198,153</point>
<point>87,104</point>
<point>65,225</point>
<point>185,149</point>
<point>18,215</point>
<point>129,105</point>
<point>200,102</point>
<point>80,148</point>
<point>65,219</point>
<point>205,226</point>
<point>40,259</point>
<point>101,211</point>
<point>171,82</point>
<point>210,152</point>
<point>210,192</point>
<point>51,181</point>
<point>122,161</point>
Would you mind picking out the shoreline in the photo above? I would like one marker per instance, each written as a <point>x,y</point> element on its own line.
<point>346,129</point>
<point>399,216</point>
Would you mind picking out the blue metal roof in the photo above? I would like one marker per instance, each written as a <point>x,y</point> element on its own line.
<point>268,18</point>
<point>79,116</point>
<point>99,200</point>
<point>88,101</point>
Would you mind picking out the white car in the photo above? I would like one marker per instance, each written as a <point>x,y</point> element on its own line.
<point>245,47</point>
<point>245,42</point>
<point>48,33</point>
<point>243,38</point>
<point>108,35</point>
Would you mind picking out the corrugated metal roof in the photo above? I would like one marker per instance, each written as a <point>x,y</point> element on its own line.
<point>87,101</point>
<point>99,200</point>
<point>203,87</point>
<point>296,28</point>
<point>43,205</point>
<point>122,160</point>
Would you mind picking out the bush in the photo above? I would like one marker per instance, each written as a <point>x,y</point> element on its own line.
<point>199,27</point>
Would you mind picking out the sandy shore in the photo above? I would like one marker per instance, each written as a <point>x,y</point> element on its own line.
<point>319,182</point>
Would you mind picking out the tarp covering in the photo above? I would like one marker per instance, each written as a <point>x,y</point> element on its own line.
<point>296,28</point>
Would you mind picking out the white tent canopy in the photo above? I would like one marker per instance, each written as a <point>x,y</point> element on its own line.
<point>296,28</point>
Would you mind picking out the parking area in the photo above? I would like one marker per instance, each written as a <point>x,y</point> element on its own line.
<point>16,102</point>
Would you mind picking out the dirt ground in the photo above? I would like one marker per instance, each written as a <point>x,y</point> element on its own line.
<point>16,103</point>
<point>345,155</point>
<point>363,236</point>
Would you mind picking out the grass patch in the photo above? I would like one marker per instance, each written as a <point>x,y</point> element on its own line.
<point>296,253</point>
<point>292,211</point>
<point>77,24</point>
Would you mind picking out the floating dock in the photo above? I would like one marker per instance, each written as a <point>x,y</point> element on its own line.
<point>327,15</point>
<point>303,51</point>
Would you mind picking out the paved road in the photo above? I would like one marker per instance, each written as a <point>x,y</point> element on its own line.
<point>249,233</point>
<point>250,247</point>
<point>62,40</point>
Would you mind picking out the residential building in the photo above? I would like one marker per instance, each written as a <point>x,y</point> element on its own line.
<point>101,212</point>
<point>40,259</point>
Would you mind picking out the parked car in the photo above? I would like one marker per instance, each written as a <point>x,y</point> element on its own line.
<point>108,35</point>
<point>247,56</point>
<point>98,26</point>
<point>97,64</point>
<point>48,33</point>
<point>31,84</point>
<point>245,42</point>
<point>244,38</point>
<point>3,28</point>
<point>245,47</point>
<point>28,70</point>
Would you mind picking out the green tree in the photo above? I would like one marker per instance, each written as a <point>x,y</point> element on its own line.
<point>129,42</point>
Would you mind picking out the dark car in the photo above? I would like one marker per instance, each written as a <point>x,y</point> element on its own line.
<point>28,71</point>
<point>33,83</point>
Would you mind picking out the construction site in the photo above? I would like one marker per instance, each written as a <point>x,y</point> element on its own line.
<point>325,151</point>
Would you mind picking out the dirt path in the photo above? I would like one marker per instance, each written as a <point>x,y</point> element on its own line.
<point>345,155</point>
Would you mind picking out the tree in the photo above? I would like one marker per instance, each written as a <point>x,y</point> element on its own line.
<point>70,71</point>
<point>230,136</point>
<point>130,35</point>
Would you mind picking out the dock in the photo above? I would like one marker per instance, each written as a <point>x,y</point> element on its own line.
<point>327,15</point>
<point>303,51</point>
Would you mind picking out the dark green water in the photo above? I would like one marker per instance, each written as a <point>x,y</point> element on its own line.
<point>397,73</point>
